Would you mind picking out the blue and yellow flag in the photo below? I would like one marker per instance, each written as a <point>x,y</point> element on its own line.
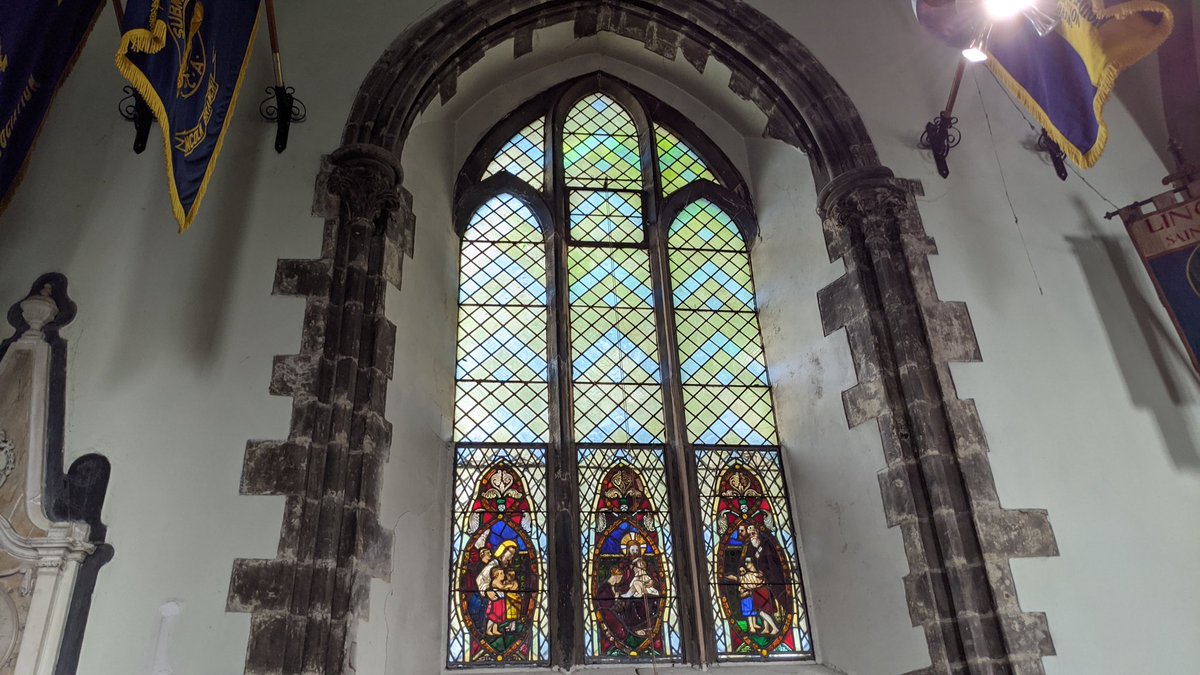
<point>1065,78</point>
<point>187,58</point>
<point>39,42</point>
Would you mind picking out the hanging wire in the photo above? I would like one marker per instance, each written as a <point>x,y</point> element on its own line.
<point>1034,129</point>
<point>1004,182</point>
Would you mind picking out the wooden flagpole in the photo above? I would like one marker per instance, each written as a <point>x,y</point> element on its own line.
<point>287,108</point>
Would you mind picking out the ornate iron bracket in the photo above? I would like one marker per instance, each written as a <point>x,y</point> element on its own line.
<point>940,137</point>
<point>133,108</point>
<point>1048,146</point>
<point>282,107</point>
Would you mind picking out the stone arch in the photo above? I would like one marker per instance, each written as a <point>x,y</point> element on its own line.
<point>803,103</point>
<point>936,485</point>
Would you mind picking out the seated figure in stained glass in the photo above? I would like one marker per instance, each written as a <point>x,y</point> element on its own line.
<point>756,592</point>
<point>497,575</point>
<point>628,569</point>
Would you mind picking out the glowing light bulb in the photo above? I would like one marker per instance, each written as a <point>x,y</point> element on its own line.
<point>1001,10</point>
<point>976,52</point>
<point>975,55</point>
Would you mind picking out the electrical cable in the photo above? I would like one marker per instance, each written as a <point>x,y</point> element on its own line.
<point>1004,182</point>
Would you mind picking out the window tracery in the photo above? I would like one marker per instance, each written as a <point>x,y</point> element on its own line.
<point>611,365</point>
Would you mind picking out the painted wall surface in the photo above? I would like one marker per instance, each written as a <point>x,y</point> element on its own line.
<point>1088,405</point>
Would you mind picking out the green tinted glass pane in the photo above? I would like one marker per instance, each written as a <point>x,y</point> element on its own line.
<point>502,394</point>
<point>713,280</point>
<point>501,412</point>
<point>503,218</point>
<point>502,274</point>
<point>729,415</point>
<point>702,224</point>
<point>678,164</point>
<point>720,348</point>
<point>504,343</point>
<point>614,345</point>
<point>618,413</point>
<point>600,146</point>
<point>524,156</point>
<point>606,217</point>
<point>745,516</point>
<point>609,277</point>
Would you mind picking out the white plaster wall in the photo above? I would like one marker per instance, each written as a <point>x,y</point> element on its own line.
<point>170,355</point>
<point>1089,409</point>
<point>1088,406</point>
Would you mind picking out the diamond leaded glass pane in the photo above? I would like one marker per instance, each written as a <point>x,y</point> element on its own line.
<point>751,554</point>
<point>609,277</point>
<point>498,605</point>
<point>726,392</point>
<point>600,146</point>
<point>704,225</point>
<point>630,609</point>
<point>721,348</point>
<point>603,216</point>
<point>678,164</point>
<point>524,156</point>
<point>502,394</point>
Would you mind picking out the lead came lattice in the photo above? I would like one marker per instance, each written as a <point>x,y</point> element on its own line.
<point>614,430</point>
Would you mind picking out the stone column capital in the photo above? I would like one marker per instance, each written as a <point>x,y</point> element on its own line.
<point>862,193</point>
<point>367,180</point>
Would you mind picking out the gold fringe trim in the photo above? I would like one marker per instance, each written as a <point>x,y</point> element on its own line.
<point>151,41</point>
<point>1104,88</point>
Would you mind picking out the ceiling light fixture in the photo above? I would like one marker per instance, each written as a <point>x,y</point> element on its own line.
<point>1001,10</point>
<point>976,52</point>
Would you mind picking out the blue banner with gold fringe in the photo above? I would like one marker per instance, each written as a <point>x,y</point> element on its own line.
<point>1065,77</point>
<point>39,42</point>
<point>187,58</point>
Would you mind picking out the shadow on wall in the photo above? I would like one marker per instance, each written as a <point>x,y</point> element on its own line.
<point>1153,363</point>
<point>208,254</point>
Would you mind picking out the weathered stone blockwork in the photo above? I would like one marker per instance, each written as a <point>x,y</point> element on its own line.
<point>305,601</point>
<point>938,485</point>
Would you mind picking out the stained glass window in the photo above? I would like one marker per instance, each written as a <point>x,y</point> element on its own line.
<point>641,335</point>
<point>498,604</point>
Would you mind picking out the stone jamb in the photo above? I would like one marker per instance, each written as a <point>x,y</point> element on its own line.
<point>937,484</point>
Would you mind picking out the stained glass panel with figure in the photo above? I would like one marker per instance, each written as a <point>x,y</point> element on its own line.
<point>753,575</point>
<point>628,557</point>
<point>498,608</point>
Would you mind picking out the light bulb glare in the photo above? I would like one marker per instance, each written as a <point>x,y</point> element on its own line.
<point>975,55</point>
<point>1001,10</point>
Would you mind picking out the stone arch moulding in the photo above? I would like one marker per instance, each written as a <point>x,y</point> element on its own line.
<point>936,485</point>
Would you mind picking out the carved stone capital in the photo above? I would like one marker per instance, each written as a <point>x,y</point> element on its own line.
<point>863,195</point>
<point>367,181</point>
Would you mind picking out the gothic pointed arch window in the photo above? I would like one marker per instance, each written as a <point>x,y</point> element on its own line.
<point>619,494</point>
